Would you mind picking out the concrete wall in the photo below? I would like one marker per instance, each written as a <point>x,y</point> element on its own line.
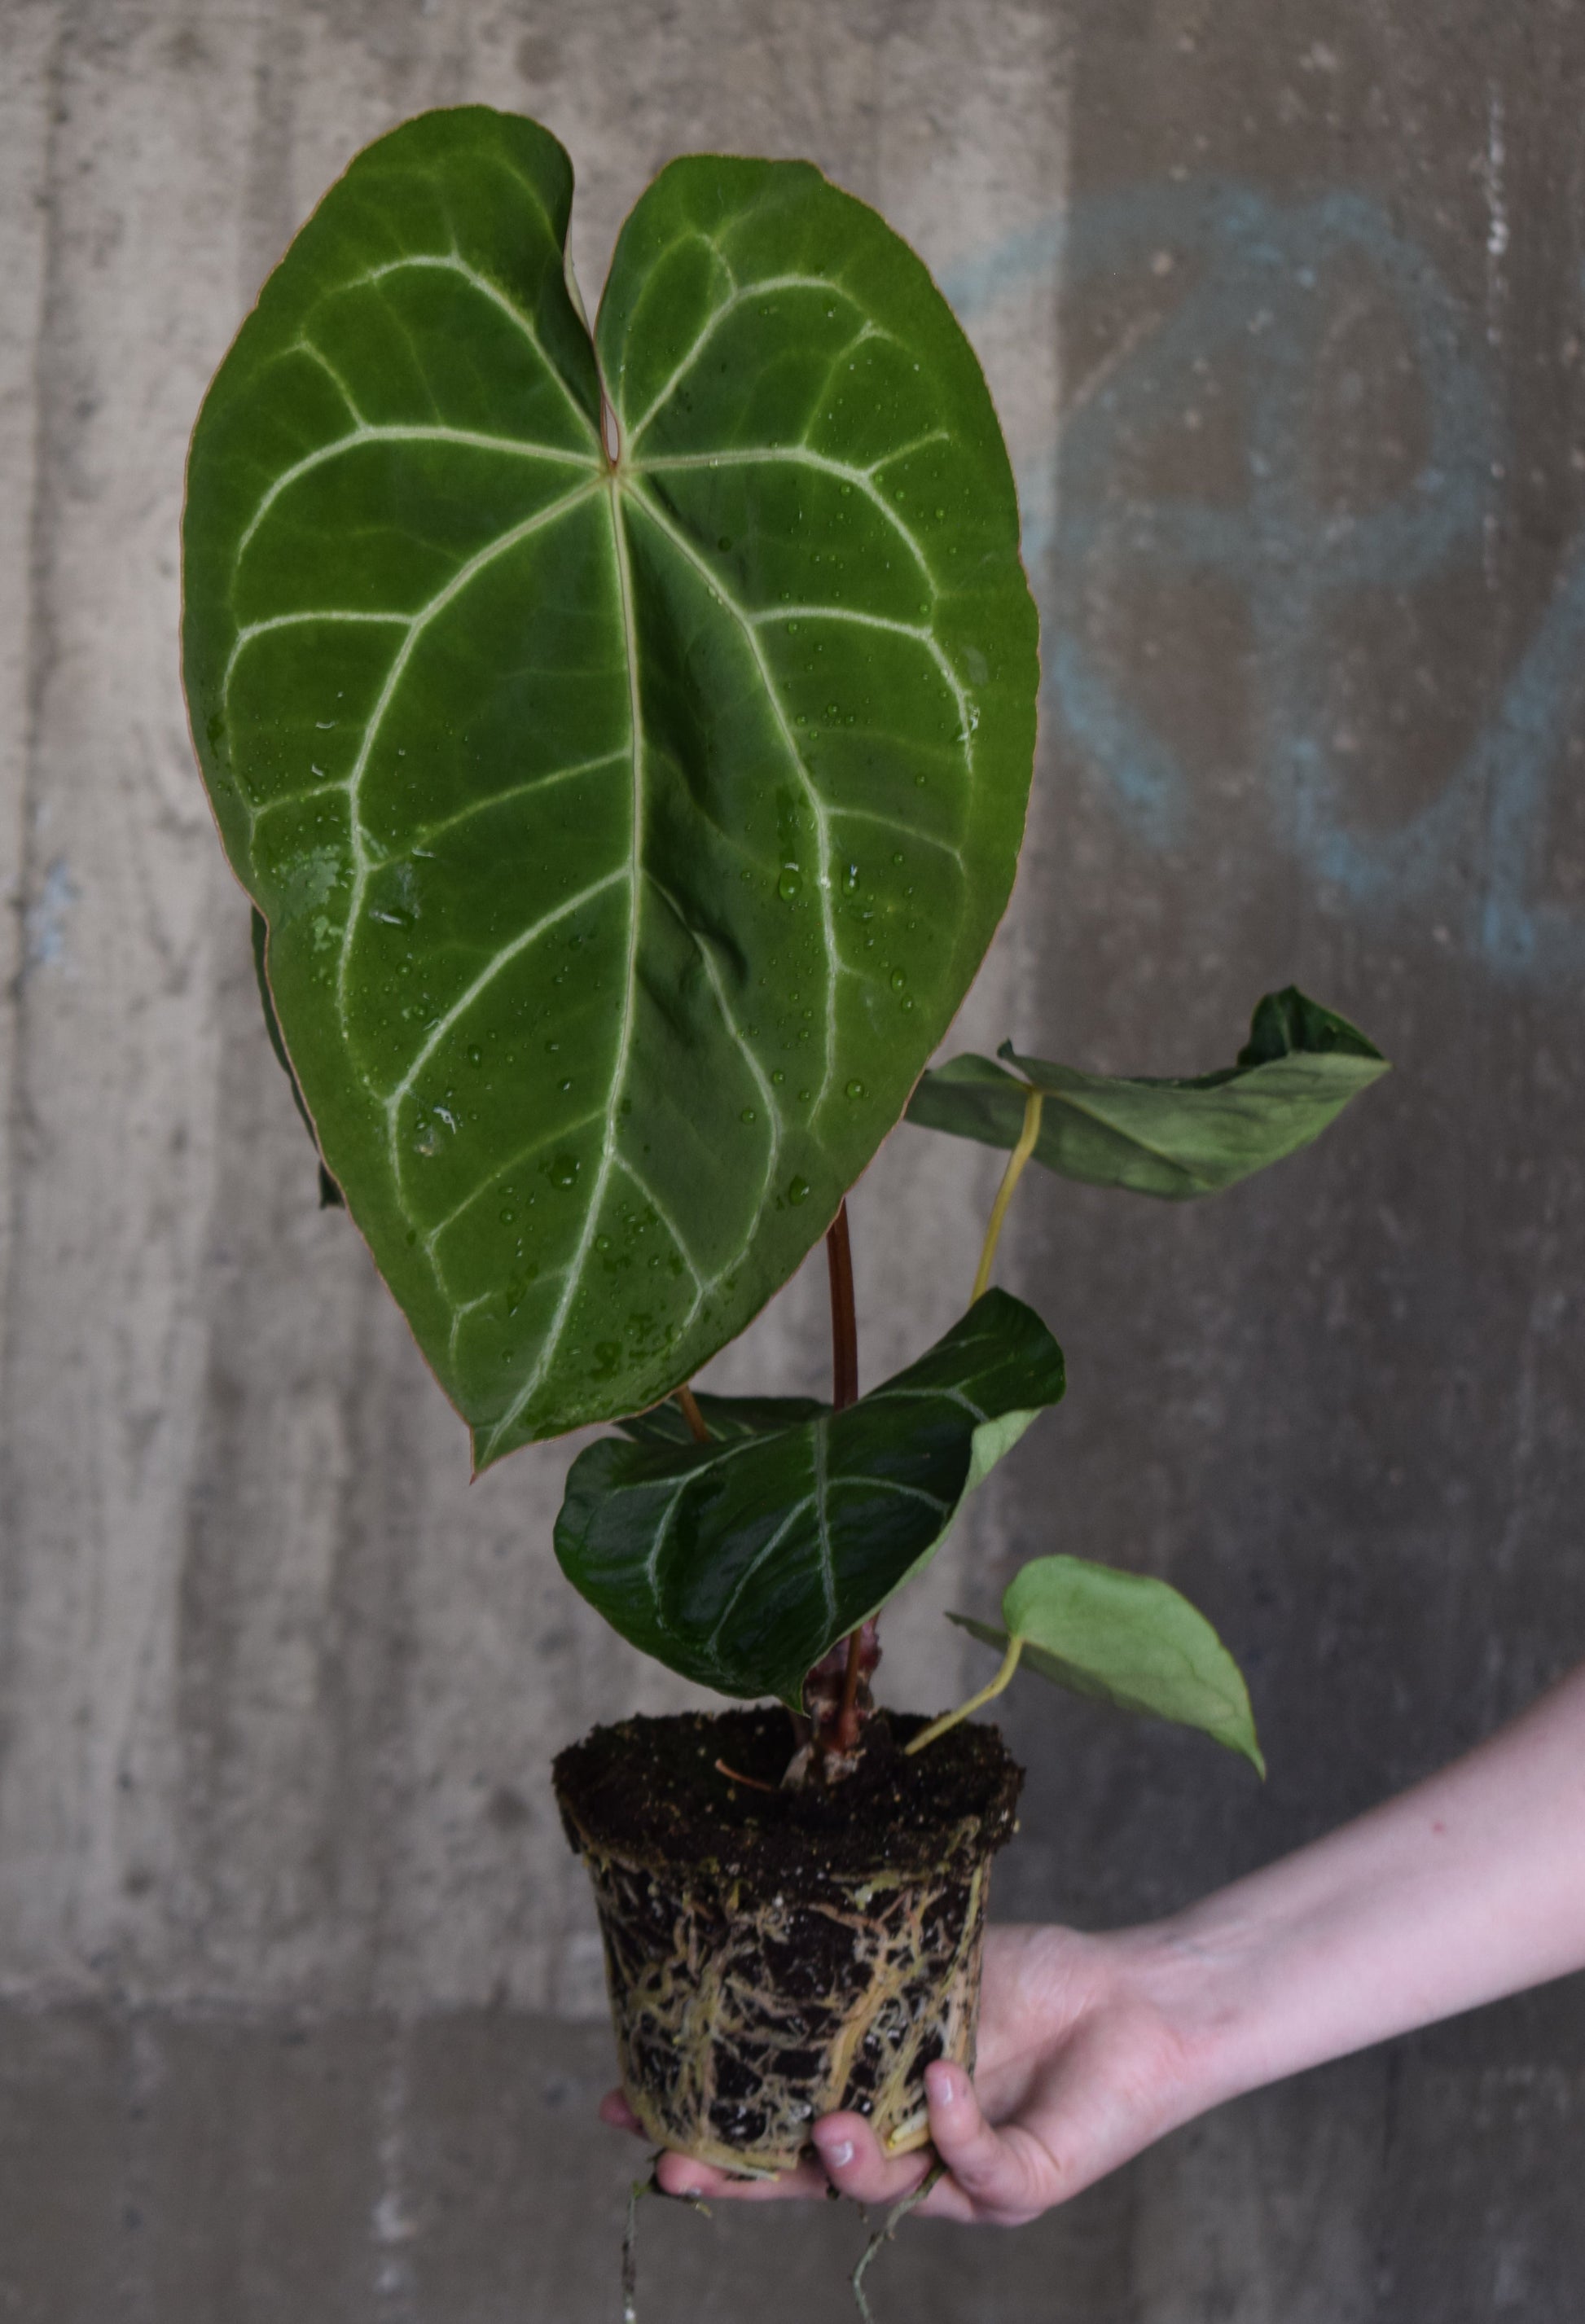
<point>1283,306</point>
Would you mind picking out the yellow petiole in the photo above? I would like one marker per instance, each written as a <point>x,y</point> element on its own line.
<point>975,1703</point>
<point>1020,1155</point>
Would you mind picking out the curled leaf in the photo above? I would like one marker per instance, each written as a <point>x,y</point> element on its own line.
<point>1174,1138</point>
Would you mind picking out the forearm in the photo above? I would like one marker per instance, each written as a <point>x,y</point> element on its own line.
<point>1467,1887</point>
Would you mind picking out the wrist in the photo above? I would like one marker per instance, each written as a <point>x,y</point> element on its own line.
<point>1204,1984</point>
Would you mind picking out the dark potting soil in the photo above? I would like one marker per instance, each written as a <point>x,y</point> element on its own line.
<point>650,1791</point>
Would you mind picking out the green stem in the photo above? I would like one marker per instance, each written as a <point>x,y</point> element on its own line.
<point>1020,1155</point>
<point>975,1703</point>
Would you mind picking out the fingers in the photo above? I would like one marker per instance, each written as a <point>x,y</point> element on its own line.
<point>856,2164</point>
<point>679,2174</point>
<point>851,2160</point>
<point>996,2171</point>
<point>992,2176</point>
<point>615,2110</point>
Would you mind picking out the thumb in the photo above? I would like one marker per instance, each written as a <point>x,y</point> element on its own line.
<point>996,2171</point>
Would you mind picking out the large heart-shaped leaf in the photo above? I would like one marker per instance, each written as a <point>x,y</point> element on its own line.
<point>630,798</point>
<point>741,1563</point>
<point>1299,1068</point>
<point>1125,1639</point>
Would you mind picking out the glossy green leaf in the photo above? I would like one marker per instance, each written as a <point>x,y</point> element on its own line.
<point>1125,1639</point>
<point>728,1418</point>
<point>627,833</point>
<point>330,1197</point>
<point>740,1564</point>
<point>1299,1068</point>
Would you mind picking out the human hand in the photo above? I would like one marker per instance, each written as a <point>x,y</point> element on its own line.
<point>1469,1887</point>
<point>1081,2064</point>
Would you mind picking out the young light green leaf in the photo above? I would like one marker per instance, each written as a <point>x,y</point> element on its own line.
<point>628,829</point>
<point>1176,1139</point>
<point>741,1563</point>
<point>1127,1639</point>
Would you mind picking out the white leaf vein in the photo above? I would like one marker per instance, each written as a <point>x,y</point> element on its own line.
<point>418,623</point>
<point>429,432</point>
<point>761,1556</point>
<point>680,540</point>
<point>498,962</point>
<point>549,779</point>
<point>634,871</point>
<point>802,455</point>
<point>453,262</point>
<point>764,288</point>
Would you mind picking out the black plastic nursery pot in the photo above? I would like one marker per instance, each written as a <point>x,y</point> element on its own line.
<point>773,1956</point>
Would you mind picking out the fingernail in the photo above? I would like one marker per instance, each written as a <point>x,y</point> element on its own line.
<point>942,2083</point>
<point>842,2153</point>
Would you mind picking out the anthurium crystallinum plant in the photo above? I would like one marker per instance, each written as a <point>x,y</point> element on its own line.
<point>624,735</point>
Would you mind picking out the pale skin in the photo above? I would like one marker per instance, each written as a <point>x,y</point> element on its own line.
<point>1470,1887</point>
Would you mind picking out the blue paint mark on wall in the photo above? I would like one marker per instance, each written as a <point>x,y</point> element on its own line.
<point>47,915</point>
<point>1253,269</point>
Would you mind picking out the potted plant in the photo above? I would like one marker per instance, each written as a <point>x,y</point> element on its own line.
<point>623,733</point>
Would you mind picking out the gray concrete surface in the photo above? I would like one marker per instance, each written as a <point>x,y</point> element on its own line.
<point>1281,302</point>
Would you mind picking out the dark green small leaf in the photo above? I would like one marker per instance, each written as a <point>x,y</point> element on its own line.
<point>1125,1639</point>
<point>331,1195</point>
<point>1174,1138</point>
<point>740,1564</point>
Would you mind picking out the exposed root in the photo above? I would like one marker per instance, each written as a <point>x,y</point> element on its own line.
<point>884,2234</point>
<point>749,1782</point>
<point>635,2195</point>
<point>741,2018</point>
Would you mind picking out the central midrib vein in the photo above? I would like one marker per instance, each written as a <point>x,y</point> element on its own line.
<point>574,1276</point>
